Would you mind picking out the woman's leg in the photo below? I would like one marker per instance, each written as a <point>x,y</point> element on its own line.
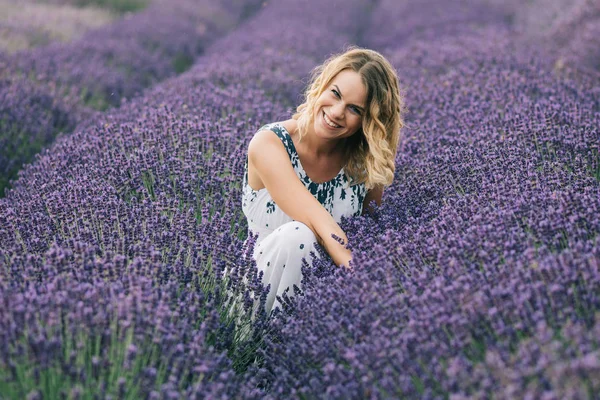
<point>279,256</point>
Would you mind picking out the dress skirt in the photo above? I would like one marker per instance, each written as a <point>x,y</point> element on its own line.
<point>279,256</point>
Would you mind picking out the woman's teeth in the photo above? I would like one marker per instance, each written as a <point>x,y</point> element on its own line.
<point>329,122</point>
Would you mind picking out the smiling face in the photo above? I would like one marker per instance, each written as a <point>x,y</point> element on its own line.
<point>339,110</point>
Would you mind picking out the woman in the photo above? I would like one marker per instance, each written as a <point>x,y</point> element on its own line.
<point>331,159</point>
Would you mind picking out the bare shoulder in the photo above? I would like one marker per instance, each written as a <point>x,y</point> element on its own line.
<point>265,151</point>
<point>263,141</point>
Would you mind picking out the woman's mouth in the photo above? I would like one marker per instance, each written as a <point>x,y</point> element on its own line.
<point>329,122</point>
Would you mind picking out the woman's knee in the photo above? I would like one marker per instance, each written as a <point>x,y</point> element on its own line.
<point>297,234</point>
<point>290,238</point>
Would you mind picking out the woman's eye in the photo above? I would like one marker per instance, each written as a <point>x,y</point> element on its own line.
<point>355,110</point>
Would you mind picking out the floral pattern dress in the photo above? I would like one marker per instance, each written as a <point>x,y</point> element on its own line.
<point>282,243</point>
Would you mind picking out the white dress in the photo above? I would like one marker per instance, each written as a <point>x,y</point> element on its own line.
<point>282,242</point>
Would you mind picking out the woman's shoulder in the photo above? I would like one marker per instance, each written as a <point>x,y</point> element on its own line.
<point>289,125</point>
<point>282,130</point>
<point>264,137</point>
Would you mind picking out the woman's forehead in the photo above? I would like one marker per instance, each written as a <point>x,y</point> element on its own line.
<point>351,86</point>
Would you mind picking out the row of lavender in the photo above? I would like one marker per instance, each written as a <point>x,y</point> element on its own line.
<point>113,244</point>
<point>49,90</point>
<point>26,24</point>
<point>479,276</point>
<point>479,273</point>
<point>568,29</point>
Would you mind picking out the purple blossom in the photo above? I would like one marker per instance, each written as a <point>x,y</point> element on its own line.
<point>479,273</point>
<point>49,90</point>
<point>123,231</point>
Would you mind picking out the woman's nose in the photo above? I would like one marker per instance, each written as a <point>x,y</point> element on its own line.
<point>337,111</point>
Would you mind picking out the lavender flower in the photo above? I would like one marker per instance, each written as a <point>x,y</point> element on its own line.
<point>117,239</point>
<point>72,83</point>
<point>121,247</point>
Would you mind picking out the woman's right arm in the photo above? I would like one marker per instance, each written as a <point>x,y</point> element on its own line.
<point>267,155</point>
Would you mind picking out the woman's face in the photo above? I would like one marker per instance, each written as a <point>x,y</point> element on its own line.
<point>339,109</point>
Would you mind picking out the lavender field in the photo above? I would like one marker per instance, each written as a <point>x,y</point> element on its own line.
<point>50,90</point>
<point>121,241</point>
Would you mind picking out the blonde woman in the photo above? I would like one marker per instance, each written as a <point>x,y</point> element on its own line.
<point>331,159</point>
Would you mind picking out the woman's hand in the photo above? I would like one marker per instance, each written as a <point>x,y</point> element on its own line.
<point>338,252</point>
<point>346,264</point>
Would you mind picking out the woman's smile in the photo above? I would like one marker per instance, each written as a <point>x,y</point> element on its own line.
<point>329,123</point>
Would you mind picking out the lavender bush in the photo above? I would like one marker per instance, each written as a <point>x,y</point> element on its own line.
<point>28,24</point>
<point>568,30</point>
<point>133,220</point>
<point>578,36</point>
<point>482,265</point>
<point>433,20</point>
<point>107,65</point>
<point>22,102</point>
<point>478,276</point>
<point>121,59</point>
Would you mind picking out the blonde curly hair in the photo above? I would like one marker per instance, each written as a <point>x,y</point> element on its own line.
<point>371,151</point>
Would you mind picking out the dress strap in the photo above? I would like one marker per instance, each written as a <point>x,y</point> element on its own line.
<point>285,138</point>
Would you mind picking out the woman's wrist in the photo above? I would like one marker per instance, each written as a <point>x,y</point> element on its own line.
<point>340,254</point>
<point>335,242</point>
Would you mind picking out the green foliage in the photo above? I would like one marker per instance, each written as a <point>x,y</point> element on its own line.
<point>121,6</point>
<point>182,62</point>
<point>21,146</point>
<point>81,367</point>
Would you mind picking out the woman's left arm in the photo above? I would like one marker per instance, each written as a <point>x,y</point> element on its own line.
<point>374,194</point>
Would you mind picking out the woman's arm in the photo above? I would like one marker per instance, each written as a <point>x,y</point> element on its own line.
<point>374,194</point>
<point>268,156</point>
